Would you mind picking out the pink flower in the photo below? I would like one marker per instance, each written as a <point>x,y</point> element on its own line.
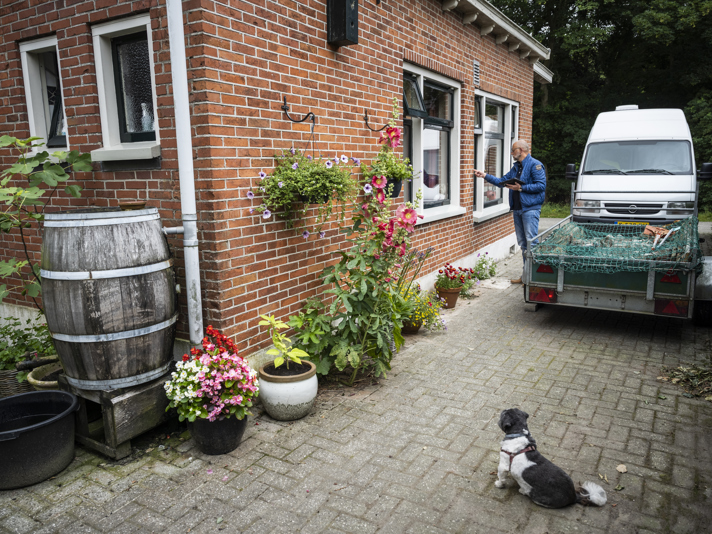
<point>401,249</point>
<point>379,182</point>
<point>407,216</point>
<point>381,197</point>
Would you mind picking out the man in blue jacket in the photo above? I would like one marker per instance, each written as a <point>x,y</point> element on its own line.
<point>525,200</point>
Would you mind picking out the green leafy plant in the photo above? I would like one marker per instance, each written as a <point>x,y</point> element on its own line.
<point>426,309</point>
<point>361,327</point>
<point>283,349</point>
<point>388,163</point>
<point>484,268</point>
<point>24,203</point>
<point>18,343</point>
<point>299,180</point>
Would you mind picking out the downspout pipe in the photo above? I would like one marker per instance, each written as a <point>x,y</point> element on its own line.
<point>181,103</point>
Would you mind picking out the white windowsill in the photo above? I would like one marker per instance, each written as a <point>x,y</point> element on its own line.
<point>441,212</point>
<point>490,213</point>
<point>127,151</point>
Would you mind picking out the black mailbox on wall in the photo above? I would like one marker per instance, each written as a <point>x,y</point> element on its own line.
<point>342,22</point>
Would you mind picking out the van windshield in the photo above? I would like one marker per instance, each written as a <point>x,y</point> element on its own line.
<point>638,157</point>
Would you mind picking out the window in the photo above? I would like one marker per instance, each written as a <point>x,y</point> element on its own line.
<point>432,138</point>
<point>127,94</point>
<point>43,89</point>
<point>495,128</point>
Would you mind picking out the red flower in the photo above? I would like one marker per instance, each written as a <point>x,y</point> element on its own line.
<point>186,357</point>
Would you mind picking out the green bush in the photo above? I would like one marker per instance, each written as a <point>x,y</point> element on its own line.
<point>17,343</point>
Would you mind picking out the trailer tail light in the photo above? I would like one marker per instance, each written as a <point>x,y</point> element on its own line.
<point>670,278</point>
<point>673,308</point>
<point>542,294</point>
<point>545,269</point>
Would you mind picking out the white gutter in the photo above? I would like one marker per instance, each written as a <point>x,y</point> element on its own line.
<point>542,74</point>
<point>181,104</point>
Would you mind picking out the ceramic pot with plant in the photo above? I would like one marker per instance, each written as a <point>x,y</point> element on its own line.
<point>392,166</point>
<point>213,389</point>
<point>449,283</point>
<point>289,382</point>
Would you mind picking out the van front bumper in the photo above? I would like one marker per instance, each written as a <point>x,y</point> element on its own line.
<point>655,221</point>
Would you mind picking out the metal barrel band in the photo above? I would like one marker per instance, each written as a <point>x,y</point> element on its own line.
<point>76,223</point>
<point>113,273</point>
<point>127,334</point>
<point>101,213</point>
<point>118,383</point>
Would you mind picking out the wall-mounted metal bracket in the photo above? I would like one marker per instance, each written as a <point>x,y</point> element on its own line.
<point>365,118</point>
<point>285,107</point>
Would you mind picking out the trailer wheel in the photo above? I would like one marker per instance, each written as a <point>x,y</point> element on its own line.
<point>702,315</point>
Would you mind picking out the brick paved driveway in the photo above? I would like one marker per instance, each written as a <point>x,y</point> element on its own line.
<point>418,452</point>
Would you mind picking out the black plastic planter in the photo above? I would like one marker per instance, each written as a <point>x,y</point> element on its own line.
<point>397,185</point>
<point>36,436</point>
<point>217,437</point>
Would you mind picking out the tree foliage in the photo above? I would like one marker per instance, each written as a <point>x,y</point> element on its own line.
<point>604,53</point>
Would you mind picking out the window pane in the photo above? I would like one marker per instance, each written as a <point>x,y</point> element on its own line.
<point>135,84</point>
<point>438,102</point>
<point>494,118</point>
<point>478,113</point>
<point>493,165</point>
<point>514,121</point>
<point>436,184</point>
<point>410,94</point>
<point>52,95</point>
<point>408,153</point>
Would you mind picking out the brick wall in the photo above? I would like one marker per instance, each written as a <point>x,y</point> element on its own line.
<point>243,57</point>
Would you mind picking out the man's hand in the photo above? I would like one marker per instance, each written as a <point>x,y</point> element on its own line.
<point>479,174</point>
<point>514,187</point>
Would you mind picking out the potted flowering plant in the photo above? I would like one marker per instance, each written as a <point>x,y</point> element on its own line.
<point>213,389</point>
<point>393,167</point>
<point>450,282</point>
<point>425,313</point>
<point>288,392</point>
<point>300,180</point>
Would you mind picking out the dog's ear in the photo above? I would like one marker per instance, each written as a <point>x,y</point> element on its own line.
<point>525,414</point>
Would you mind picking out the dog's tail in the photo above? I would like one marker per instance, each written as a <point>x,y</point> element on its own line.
<point>590,493</point>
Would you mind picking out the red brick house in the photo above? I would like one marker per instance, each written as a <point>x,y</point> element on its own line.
<point>96,76</point>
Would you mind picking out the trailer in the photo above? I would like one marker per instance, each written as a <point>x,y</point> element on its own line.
<point>621,267</point>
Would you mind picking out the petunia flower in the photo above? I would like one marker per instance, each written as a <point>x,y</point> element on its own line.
<point>344,159</point>
<point>262,174</point>
<point>328,164</point>
<point>322,234</point>
<point>252,210</point>
<point>281,184</point>
<point>266,214</point>
<point>305,234</point>
<point>356,161</point>
<point>292,151</point>
<point>295,165</point>
<point>250,195</point>
<point>368,188</point>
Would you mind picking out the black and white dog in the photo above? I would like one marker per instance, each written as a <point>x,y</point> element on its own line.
<point>543,482</point>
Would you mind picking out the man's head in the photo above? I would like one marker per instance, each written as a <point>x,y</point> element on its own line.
<point>520,150</point>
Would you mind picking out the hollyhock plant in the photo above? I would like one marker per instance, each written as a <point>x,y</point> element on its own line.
<point>213,382</point>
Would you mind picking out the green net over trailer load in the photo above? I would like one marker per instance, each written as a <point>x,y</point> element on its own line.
<point>609,248</point>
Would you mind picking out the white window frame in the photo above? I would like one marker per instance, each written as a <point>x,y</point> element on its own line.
<point>453,209</point>
<point>29,57</point>
<point>113,149</point>
<point>481,213</point>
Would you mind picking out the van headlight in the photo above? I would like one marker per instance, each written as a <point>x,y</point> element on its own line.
<point>591,204</point>
<point>678,205</point>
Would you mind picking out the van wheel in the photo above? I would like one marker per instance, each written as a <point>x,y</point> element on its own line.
<point>702,315</point>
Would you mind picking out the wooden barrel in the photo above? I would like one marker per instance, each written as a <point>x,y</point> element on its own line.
<point>109,295</point>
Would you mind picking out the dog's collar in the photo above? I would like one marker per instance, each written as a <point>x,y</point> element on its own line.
<point>519,435</point>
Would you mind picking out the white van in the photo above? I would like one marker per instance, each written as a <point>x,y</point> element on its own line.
<point>638,168</point>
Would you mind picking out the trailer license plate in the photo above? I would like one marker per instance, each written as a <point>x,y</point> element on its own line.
<point>630,222</point>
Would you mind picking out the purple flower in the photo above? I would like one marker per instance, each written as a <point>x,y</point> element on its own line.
<point>305,235</point>
<point>309,157</point>
<point>266,214</point>
<point>262,174</point>
<point>322,234</point>
<point>281,184</point>
<point>336,159</point>
<point>292,151</point>
<point>344,159</point>
<point>367,189</point>
<point>328,164</point>
<point>295,165</point>
<point>356,161</point>
<point>262,189</point>
<point>252,210</point>
<point>250,195</point>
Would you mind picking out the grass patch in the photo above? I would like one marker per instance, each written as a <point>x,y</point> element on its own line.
<point>555,211</point>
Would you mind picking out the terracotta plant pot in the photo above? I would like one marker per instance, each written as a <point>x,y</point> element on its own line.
<point>290,397</point>
<point>450,296</point>
<point>411,328</point>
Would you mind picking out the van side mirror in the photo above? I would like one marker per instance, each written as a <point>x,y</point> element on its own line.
<point>705,172</point>
<point>571,173</point>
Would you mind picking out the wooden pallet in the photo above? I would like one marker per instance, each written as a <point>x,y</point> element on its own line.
<point>108,420</point>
